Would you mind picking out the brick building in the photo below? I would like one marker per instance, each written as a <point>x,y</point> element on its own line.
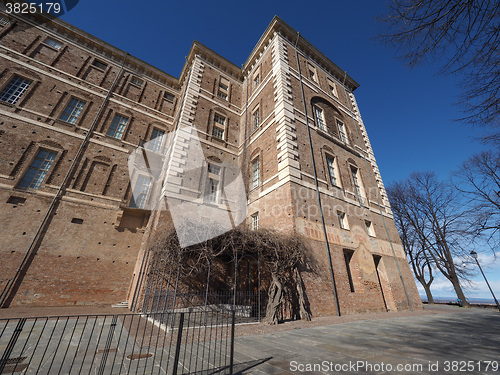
<point>73,108</point>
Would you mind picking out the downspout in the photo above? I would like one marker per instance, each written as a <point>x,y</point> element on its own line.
<point>8,292</point>
<point>376,195</point>
<point>334,287</point>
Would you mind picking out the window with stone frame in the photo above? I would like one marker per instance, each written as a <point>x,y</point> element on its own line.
<point>73,110</point>
<point>118,126</point>
<point>255,169</point>
<point>319,117</point>
<point>213,183</point>
<point>141,191</point>
<point>313,74</point>
<point>15,89</point>
<point>343,224</point>
<point>255,221</point>
<point>256,118</point>
<point>356,179</point>
<point>156,140</point>
<point>333,174</point>
<point>219,127</point>
<point>342,133</point>
<point>332,87</point>
<point>223,88</point>
<point>38,169</point>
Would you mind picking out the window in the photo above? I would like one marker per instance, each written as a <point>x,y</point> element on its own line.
<point>333,88</point>
<point>212,186</point>
<point>117,127</point>
<point>53,43</point>
<point>255,221</point>
<point>255,174</point>
<point>4,21</point>
<point>256,81</point>
<point>140,192</point>
<point>219,126</point>
<point>38,169</point>
<point>73,110</point>
<point>223,89</point>
<point>312,73</point>
<point>14,90</point>
<point>169,96</point>
<point>156,140</point>
<point>320,119</point>
<point>342,134</point>
<point>342,220</point>
<point>332,172</point>
<point>255,119</point>
<point>99,64</point>
<point>357,184</point>
<point>137,81</point>
<point>369,228</point>
<point>347,258</point>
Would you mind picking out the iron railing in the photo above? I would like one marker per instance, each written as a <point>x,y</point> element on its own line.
<point>160,343</point>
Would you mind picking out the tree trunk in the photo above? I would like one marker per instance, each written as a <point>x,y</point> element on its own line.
<point>459,292</point>
<point>274,302</point>
<point>304,313</point>
<point>427,288</point>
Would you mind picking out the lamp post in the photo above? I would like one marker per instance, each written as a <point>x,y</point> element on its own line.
<point>474,255</point>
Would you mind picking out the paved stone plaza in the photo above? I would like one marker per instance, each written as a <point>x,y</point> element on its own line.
<point>418,344</point>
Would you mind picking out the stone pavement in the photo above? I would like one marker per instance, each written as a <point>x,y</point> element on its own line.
<point>456,341</point>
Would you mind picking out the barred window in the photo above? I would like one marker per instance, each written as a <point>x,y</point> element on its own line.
<point>137,81</point>
<point>38,169</point>
<point>256,119</point>
<point>223,89</point>
<point>117,127</point>
<point>72,111</point>
<point>99,64</point>
<point>14,90</point>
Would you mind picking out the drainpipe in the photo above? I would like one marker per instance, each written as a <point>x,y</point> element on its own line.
<point>332,276</point>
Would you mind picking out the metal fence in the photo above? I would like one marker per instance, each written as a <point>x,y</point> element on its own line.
<point>249,306</point>
<point>200,342</point>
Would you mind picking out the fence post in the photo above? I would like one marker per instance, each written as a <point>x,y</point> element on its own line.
<point>178,346</point>
<point>11,344</point>
<point>231,360</point>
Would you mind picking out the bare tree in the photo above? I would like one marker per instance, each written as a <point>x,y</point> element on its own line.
<point>479,179</point>
<point>414,248</point>
<point>465,35</point>
<point>433,209</point>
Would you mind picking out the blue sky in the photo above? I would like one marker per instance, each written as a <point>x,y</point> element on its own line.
<point>409,114</point>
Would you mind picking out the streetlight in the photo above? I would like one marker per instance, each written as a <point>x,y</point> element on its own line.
<point>474,255</point>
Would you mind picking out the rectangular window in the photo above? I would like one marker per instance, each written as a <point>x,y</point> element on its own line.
<point>117,127</point>
<point>256,81</point>
<point>357,184</point>
<point>332,173</point>
<point>140,192</point>
<point>255,221</point>
<point>333,88</point>
<point>4,21</point>
<point>342,220</point>
<point>219,119</point>
<point>72,111</point>
<point>342,134</point>
<point>14,90</point>
<point>223,89</point>
<point>214,169</point>
<point>156,140</point>
<point>99,64</point>
<point>169,96</point>
<point>347,258</point>
<point>53,43</point>
<point>137,81</point>
<point>38,169</point>
<point>218,132</point>
<point>256,119</point>
<point>320,119</point>
<point>213,186</point>
<point>255,174</point>
<point>369,228</point>
<point>312,73</point>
